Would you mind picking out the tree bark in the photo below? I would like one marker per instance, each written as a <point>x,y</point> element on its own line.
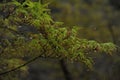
<point>67,74</point>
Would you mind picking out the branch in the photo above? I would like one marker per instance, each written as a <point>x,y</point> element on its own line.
<point>41,1</point>
<point>6,72</point>
<point>31,60</point>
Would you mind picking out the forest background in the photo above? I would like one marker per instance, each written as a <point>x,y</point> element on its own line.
<point>97,20</point>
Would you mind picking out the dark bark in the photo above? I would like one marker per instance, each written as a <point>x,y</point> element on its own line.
<point>67,74</point>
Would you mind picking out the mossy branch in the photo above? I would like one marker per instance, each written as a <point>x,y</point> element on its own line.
<point>55,41</point>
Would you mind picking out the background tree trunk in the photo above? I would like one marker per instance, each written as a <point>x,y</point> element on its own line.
<point>65,70</point>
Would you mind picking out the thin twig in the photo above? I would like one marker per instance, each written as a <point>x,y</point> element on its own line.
<point>14,69</point>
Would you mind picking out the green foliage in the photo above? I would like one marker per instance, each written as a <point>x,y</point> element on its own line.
<point>50,41</point>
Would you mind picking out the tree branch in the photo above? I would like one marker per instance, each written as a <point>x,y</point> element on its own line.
<point>33,59</point>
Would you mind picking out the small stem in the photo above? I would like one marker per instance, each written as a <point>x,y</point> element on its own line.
<point>41,1</point>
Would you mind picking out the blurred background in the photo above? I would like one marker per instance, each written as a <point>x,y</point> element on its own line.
<point>97,20</point>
